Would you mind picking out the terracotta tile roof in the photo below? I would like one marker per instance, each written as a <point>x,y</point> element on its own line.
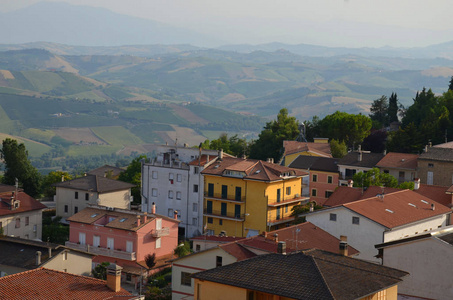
<point>311,274</point>
<point>309,236</point>
<point>396,160</point>
<point>292,147</point>
<point>397,208</point>
<point>440,194</point>
<point>315,163</point>
<point>369,160</point>
<point>203,160</point>
<point>5,188</point>
<point>238,251</point>
<point>252,169</point>
<point>216,238</point>
<point>49,284</point>
<point>433,153</point>
<point>123,219</point>
<point>343,195</point>
<point>445,145</point>
<point>27,203</point>
<point>95,183</point>
<point>105,169</point>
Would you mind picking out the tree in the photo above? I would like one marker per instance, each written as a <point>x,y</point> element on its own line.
<point>374,177</point>
<point>338,149</point>
<point>150,260</point>
<point>53,177</point>
<point>100,271</point>
<point>379,112</point>
<point>233,145</point>
<point>182,249</point>
<point>18,166</point>
<point>133,174</point>
<point>375,142</point>
<point>393,108</point>
<point>270,141</point>
<point>450,86</point>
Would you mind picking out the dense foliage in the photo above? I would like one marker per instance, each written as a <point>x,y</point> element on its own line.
<point>233,145</point>
<point>133,174</point>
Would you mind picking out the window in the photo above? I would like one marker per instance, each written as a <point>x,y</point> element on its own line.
<point>401,174</point>
<point>209,207</point>
<point>314,192</point>
<point>158,242</point>
<point>66,209</point>
<point>76,195</point>
<point>186,279</point>
<point>170,194</point>
<point>220,222</point>
<point>87,196</point>
<point>96,240</point>
<point>288,190</point>
<point>314,178</point>
<point>218,261</point>
<point>196,170</point>
<point>356,220</point>
<point>211,190</point>
<point>82,238</point>
<point>170,176</point>
<point>286,208</point>
<point>154,192</point>
<point>195,207</point>
<point>178,177</point>
<point>154,174</point>
<point>333,217</point>
<point>386,171</point>
<point>129,246</point>
<point>27,221</point>
<point>224,191</point>
<point>195,188</point>
<point>210,232</point>
<point>76,209</point>
<point>1,224</point>
<point>128,277</point>
<point>178,195</point>
<point>328,194</point>
<point>170,212</point>
<point>17,222</point>
<point>430,165</point>
<point>110,243</point>
<point>238,195</point>
<point>223,209</point>
<point>237,211</point>
<point>329,179</point>
<point>194,221</point>
<point>198,248</point>
<point>210,220</point>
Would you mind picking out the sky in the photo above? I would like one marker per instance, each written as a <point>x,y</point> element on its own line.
<point>350,23</point>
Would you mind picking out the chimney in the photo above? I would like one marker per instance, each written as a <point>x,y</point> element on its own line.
<point>265,234</point>
<point>343,248</point>
<point>281,248</point>
<point>175,214</point>
<point>433,207</point>
<point>138,220</point>
<point>220,154</point>
<point>50,252</point>
<point>385,152</point>
<point>360,156</point>
<point>153,208</point>
<point>312,206</point>
<point>416,183</point>
<point>62,178</point>
<point>244,156</point>
<point>350,183</point>
<point>38,258</point>
<point>360,148</point>
<point>426,148</point>
<point>114,277</point>
<point>276,237</point>
<point>186,145</point>
<point>343,238</point>
<point>145,217</point>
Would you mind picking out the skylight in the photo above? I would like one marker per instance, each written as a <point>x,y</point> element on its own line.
<point>390,211</point>
<point>94,215</point>
<point>122,220</point>
<point>426,202</point>
<point>412,204</point>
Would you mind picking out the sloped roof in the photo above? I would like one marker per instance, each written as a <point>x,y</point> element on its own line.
<point>5,188</point>
<point>435,153</point>
<point>27,203</point>
<point>344,194</point>
<point>252,169</point>
<point>396,160</point>
<point>292,147</point>
<point>397,208</point>
<point>217,238</point>
<point>94,183</point>
<point>237,250</point>
<point>204,159</point>
<point>444,234</point>
<point>311,274</point>
<point>105,169</point>
<point>440,194</point>
<point>47,284</point>
<point>369,160</point>
<point>316,163</point>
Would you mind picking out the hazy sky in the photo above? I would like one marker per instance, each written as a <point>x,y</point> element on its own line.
<point>354,23</point>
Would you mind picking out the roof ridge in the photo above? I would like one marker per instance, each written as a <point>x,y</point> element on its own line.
<point>320,273</point>
<point>369,198</point>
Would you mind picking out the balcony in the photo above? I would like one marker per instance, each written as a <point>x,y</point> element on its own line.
<point>280,221</point>
<point>157,233</point>
<point>227,198</point>
<point>226,216</point>
<point>303,199</point>
<point>102,251</point>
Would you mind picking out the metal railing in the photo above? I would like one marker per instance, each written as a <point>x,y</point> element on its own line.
<point>160,232</point>
<point>221,196</point>
<point>218,213</point>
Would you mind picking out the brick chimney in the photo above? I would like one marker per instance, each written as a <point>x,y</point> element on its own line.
<point>350,183</point>
<point>281,248</point>
<point>416,183</point>
<point>343,248</point>
<point>276,237</point>
<point>138,220</point>
<point>145,217</point>
<point>153,208</point>
<point>38,258</point>
<point>175,215</point>
<point>114,277</point>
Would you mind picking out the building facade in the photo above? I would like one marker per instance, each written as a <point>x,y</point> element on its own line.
<point>402,166</point>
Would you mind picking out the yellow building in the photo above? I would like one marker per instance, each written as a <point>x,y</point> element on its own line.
<point>311,274</point>
<point>244,197</point>
<point>292,149</point>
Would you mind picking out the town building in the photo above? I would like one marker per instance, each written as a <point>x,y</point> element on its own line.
<point>435,165</point>
<point>380,219</point>
<point>123,237</point>
<point>426,257</point>
<point>292,149</point>
<point>243,197</point>
<point>173,182</point>
<point>402,166</point>
<point>19,255</point>
<point>74,195</point>
<point>107,171</point>
<point>203,242</point>
<point>355,162</point>
<point>20,214</point>
<point>324,176</point>
<point>309,274</point>
<point>44,283</point>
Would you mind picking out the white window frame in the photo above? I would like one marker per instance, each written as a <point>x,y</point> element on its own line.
<point>111,243</point>
<point>129,246</point>
<point>96,240</point>
<point>158,243</point>
<point>153,192</point>
<point>82,238</point>
<point>178,177</point>
<point>170,194</point>
<point>154,174</point>
<point>178,195</point>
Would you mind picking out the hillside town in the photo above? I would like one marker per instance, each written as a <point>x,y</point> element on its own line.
<point>210,225</point>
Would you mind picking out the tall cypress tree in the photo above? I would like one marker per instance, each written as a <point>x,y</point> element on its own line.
<point>450,86</point>
<point>393,108</point>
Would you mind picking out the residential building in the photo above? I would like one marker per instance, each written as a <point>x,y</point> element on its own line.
<point>173,182</point>
<point>243,197</point>
<point>123,237</point>
<point>74,195</point>
<point>203,242</point>
<point>42,283</point>
<point>427,258</point>
<point>355,162</point>
<point>20,214</point>
<point>19,255</point>
<point>323,178</point>
<point>310,274</point>
<point>107,171</point>
<point>402,166</point>
<point>347,194</point>
<point>380,219</point>
<point>435,165</point>
<point>292,149</point>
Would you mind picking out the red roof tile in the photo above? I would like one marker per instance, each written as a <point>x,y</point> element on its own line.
<point>216,238</point>
<point>344,194</point>
<point>238,251</point>
<point>27,203</point>
<point>48,284</point>
<point>440,194</point>
<point>291,147</point>
<point>203,160</point>
<point>396,160</point>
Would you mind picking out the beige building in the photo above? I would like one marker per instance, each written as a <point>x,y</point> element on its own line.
<point>435,165</point>
<point>20,214</point>
<point>74,195</point>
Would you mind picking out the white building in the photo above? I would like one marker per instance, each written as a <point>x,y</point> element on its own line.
<point>355,162</point>
<point>381,219</point>
<point>427,258</point>
<point>173,182</point>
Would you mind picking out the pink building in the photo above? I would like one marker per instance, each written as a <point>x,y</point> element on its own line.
<point>123,237</point>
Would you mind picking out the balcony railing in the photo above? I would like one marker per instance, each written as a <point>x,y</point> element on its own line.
<point>102,251</point>
<point>280,220</point>
<point>157,233</point>
<point>224,215</point>
<point>287,199</point>
<point>219,196</point>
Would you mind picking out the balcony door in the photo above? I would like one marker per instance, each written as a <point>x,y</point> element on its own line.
<point>110,243</point>
<point>279,192</point>
<point>210,190</point>
<point>238,193</point>
<point>129,246</point>
<point>82,238</point>
<point>96,241</point>
<point>278,213</point>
